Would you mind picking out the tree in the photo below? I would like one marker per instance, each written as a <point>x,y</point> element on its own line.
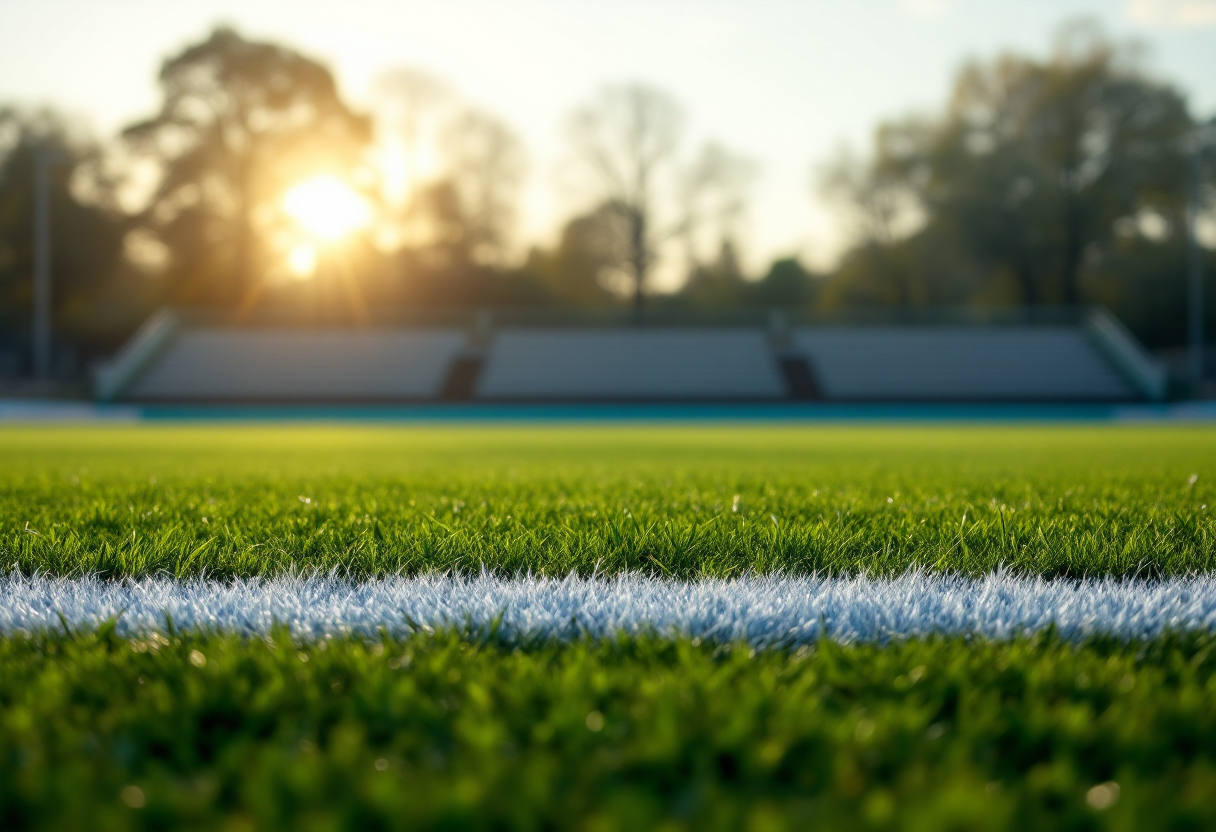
<point>412,108</point>
<point>486,165</point>
<point>713,193</point>
<point>1069,147</point>
<point>787,283</point>
<point>924,269</point>
<point>626,138</point>
<point>450,172</point>
<point>240,121</point>
<point>591,262</point>
<point>881,205</point>
<point>1032,168</point>
<point>720,282</point>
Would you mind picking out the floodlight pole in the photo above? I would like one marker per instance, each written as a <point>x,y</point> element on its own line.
<point>44,160</point>
<point>42,264</point>
<point>1194,266</point>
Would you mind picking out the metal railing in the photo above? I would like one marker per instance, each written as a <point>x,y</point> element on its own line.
<point>1142,371</point>
<point>114,376</point>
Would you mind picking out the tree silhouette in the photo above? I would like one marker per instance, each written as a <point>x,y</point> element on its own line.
<point>626,137</point>
<point>713,193</point>
<point>486,164</point>
<point>1031,172</point>
<point>240,121</point>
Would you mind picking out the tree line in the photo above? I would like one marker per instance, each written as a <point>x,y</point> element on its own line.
<point>1043,181</point>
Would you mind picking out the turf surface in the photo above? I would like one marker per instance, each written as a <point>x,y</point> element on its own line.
<point>676,500</point>
<point>179,729</point>
<point>172,732</point>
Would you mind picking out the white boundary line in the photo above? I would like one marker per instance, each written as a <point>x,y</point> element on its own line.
<point>765,610</point>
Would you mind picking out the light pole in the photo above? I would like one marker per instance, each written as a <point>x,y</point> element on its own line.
<point>1197,143</point>
<point>44,160</point>
<point>42,265</point>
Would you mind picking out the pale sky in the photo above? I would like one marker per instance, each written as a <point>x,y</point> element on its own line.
<point>783,82</point>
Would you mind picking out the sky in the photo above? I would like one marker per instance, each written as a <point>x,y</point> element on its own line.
<point>785,83</point>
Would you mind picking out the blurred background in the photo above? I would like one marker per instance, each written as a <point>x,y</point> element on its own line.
<point>796,169</point>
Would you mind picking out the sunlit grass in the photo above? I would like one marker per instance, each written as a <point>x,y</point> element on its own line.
<point>672,500</point>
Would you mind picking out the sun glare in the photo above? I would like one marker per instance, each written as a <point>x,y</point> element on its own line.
<point>302,260</point>
<point>326,207</point>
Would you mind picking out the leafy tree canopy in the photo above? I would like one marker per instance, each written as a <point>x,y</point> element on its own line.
<point>1026,188</point>
<point>240,122</point>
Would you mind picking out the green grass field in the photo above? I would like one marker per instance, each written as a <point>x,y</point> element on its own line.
<point>259,500</point>
<point>213,731</point>
<point>219,733</point>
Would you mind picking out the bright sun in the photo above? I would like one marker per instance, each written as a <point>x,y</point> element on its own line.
<point>327,207</point>
<point>302,260</point>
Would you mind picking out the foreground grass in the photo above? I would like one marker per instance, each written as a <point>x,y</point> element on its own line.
<point>194,732</point>
<point>665,500</point>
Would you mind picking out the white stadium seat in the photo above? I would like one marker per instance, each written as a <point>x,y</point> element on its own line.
<point>854,363</point>
<point>1031,363</point>
<point>630,364</point>
<point>229,364</point>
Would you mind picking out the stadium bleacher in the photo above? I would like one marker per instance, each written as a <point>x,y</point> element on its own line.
<point>176,359</point>
<point>627,364</point>
<point>1038,363</point>
<point>226,364</point>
